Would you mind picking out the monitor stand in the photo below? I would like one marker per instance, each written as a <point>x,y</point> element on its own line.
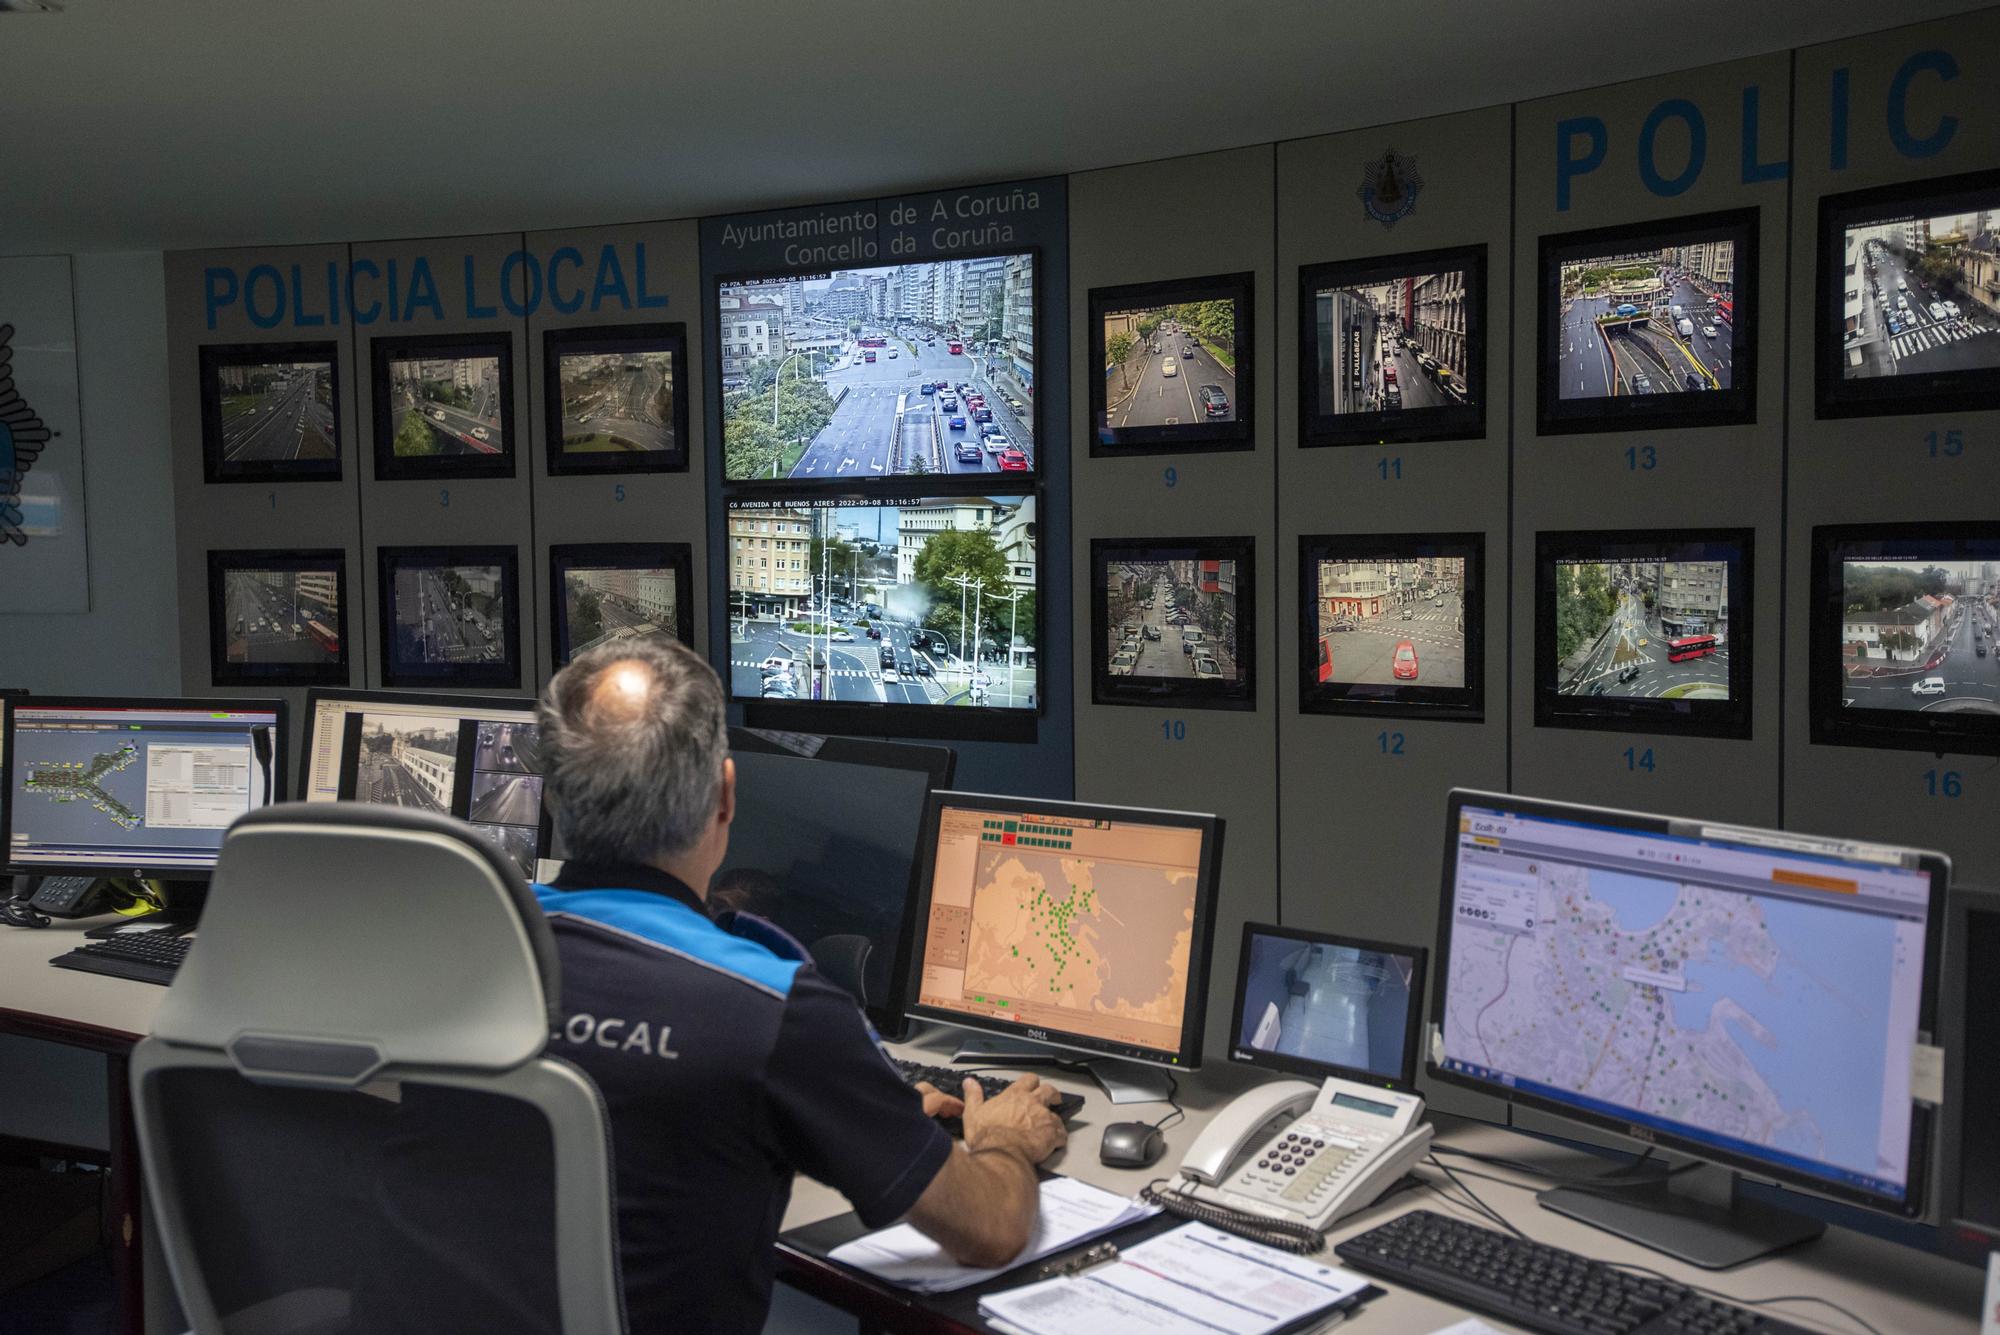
<point>1696,1217</point>
<point>1122,1081</point>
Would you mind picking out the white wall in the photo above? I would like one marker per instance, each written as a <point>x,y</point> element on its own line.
<point>128,642</point>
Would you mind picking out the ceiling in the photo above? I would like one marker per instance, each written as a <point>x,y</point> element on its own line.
<point>136,124</point>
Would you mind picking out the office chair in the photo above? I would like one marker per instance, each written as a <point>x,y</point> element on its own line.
<point>346,1119</point>
<point>843,958</point>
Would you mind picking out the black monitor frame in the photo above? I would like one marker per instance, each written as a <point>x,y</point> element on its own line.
<point>1199,434</point>
<point>1678,717</point>
<point>670,338</point>
<point>212,359</point>
<point>9,754</point>
<point>504,674</point>
<point>388,700</point>
<point>1193,1017</point>
<point>1175,692</point>
<point>392,467</point>
<point>1734,406</point>
<point>677,557</point>
<point>1973,389</point>
<point>1461,421</point>
<point>222,672</point>
<point>1462,704</point>
<point>1242,1053</point>
<point>1922,1130</point>
<point>1834,724</point>
<point>1960,1235</point>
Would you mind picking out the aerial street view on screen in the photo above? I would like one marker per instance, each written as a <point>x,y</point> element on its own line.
<point>445,405</point>
<point>507,789</point>
<point>1328,1003</point>
<point>1922,294</point>
<point>1393,622</point>
<point>1392,343</point>
<point>1170,365</point>
<point>1652,321</point>
<point>1173,619</point>
<point>616,402</point>
<point>1920,635</point>
<point>281,616</point>
<point>407,761</point>
<point>276,410</point>
<point>449,614</point>
<point>616,603</point>
<point>1643,629</point>
<point>927,602</point>
<point>912,368</point>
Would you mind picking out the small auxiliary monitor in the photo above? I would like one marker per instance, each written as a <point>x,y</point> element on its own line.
<point>1173,622</point>
<point>1644,631</point>
<point>616,399</point>
<point>1649,325</point>
<point>1902,650</point>
<point>449,616</point>
<point>1393,348</point>
<point>1908,300</point>
<point>1314,1004</point>
<point>1174,362</point>
<point>603,592</point>
<point>1393,624</point>
<point>444,406</point>
<point>277,618</point>
<point>270,412</point>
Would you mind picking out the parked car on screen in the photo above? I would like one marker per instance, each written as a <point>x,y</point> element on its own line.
<point>1405,662</point>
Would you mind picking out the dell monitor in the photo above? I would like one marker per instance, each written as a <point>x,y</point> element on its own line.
<point>134,788</point>
<point>1749,997</point>
<point>1317,1005</point>
<point>1074,927</point>
<point>1969,1179</point>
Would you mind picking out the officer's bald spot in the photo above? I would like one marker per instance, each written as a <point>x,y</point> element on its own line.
<point>624,690</point>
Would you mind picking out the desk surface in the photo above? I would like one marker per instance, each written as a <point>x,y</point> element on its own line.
<point>1902,1291</point>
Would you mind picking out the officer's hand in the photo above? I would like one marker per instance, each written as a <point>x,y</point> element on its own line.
<point>937,1104</point>
<point>1016,1119</point>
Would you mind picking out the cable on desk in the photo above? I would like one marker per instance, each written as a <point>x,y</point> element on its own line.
<point>1175,1113</point>
<point>1477,1203</point>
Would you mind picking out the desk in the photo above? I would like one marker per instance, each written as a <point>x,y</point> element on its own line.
<point>1904,1292</point>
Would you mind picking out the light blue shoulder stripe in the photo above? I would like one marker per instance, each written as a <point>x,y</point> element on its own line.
<point>673,926</point>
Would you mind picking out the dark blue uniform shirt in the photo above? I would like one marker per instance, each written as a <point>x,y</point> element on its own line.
<point>726,1068</point>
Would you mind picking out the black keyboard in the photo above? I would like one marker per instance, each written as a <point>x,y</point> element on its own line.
<point>145,957</point>
<point>1541,1288</point>
<point>947,1080</point>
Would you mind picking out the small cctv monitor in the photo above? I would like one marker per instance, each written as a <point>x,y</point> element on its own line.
<point>1319,1005</point>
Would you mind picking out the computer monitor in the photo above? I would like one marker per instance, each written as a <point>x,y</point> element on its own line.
<point>474,757</point>
<point>102,786</point>
<point>1969,1176</point>
<point>1319,1005</point>
<point>824,844</point>
<point>1077,926</point>
<point>1751,997</point>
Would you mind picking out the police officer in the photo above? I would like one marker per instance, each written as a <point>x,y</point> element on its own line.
<point>726,1063</point>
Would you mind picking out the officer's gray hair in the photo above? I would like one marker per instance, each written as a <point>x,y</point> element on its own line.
<point>633,741</point>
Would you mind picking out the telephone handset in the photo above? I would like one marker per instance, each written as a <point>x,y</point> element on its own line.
<point>39,898</point>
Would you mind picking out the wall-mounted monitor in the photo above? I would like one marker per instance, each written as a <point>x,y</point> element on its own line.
<point>1644,631</point>
<point>1649,325</point>
<point>850,374</point>
<point>603,592</point>
<point>1908,304</point>
<point>1393,624</point>
<point>444,406</point>
<point>450,616</point>
<point>616,399</point>
<point>1902,636</point>
<point>1173,621</point>
<point>1172,366</point>
<point>911,617</point>
<point>270,412</point>
<point>1393,348</point>
<point>277,618</point>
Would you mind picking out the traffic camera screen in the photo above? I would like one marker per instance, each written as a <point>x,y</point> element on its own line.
<point>1643,631</point>
<point>1650,325</point>
<point>1174,362</point>
<point>858,374</point>
<point>450,616</point>
<point>444,406</point>
<point>277,617</point>
<point>1173,622</point>
<point>1393,348</point>
<point>1320,1005</point>
<point>270,412</point>
<point>1393,624</point>
<point>602,593</point>
<point>617,399</point>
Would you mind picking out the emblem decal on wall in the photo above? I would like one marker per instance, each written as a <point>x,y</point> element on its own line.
<point>22,436</point>
<point>1389,187</point>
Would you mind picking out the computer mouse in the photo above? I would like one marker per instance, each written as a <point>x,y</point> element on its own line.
<point>1131,1145</point>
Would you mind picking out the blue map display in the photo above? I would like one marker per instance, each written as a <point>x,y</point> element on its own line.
<point>43,821</point>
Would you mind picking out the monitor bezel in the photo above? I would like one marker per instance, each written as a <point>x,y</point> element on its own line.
<point>1730,718</point>
<point>392,467</point>
<point>1194,1016</point>
<point>1463,421</point>
<point>668,337</point>
<point>1967,1239</point>
<point>504,675</point>
<point>140,871</point>
<point>1735,406</point>
<point>1975,389</point>
<point>1829,722</point>
<point>361,694</point>
<point>210,358</point>
<point>1922,1130</point>
<point>1242,1053</point>
<point>1175,692</point>
<point>221,562</point>
<point>567,556</point>
<point>1454,704</point>
<point>1205,437</point>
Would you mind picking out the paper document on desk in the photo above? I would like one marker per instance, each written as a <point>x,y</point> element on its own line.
<point>1071,1212</point>
<point>1195,1280</point>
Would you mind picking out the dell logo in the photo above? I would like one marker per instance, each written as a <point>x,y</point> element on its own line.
<point>1042,1034</point>
<point>1639,1133</point>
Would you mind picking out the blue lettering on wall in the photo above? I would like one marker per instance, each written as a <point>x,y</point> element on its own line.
<point>532,269</point>
<point>301,316</point>
<point>1753,170</point>
<point>647,300</point>
<point>573,257</point>
<point>1567,164</point>
<point>1836,147</point>
<point>423,290</point>
<point>610,281</point>
<point>390,288</point>
<point>257,317</point>
<point>332,292</point>
<point>373,310</point>
<point>218,289</point>
<point>473,310</point>
<point>1911,145</point>
<point>1674,108</point>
